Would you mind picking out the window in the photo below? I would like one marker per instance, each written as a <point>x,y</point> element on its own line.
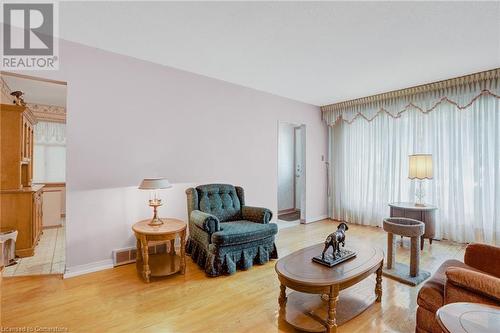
<point>49,153</point>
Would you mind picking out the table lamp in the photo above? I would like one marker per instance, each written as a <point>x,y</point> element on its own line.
<point>420,168</point>
<point>154,184</point>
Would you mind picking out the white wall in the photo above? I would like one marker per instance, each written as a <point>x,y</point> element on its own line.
<point>286,166</point>
<point>129,119</point>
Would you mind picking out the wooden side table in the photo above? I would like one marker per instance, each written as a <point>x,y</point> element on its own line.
<point>468,318</point>
<point>161,264</point>
<point>426,214</point>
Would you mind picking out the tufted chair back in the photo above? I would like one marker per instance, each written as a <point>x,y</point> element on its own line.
<point>221,200</point>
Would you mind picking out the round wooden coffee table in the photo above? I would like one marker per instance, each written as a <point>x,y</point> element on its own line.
<point>468,318</point>
<point>161,264</point>
<point>317,304</point>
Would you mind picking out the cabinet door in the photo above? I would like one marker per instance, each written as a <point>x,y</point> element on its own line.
<point>37,216</point>
<point>34,219</point>
<point>40,209</point>
<point>27,138</point>
<point>32,142</point>
<point>30,155</point>
<point>23,138</point>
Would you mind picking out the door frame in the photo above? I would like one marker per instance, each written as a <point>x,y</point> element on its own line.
<point>63,83</point>
<point>303,127</point>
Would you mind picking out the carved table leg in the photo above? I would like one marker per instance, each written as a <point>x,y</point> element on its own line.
<point>391,249</point>
<point>282,299</point>
<point>146,272</point>
<point>172,246</point>
<point>138,250</point>
<point>378,285</point>
<point>331,321</point>
<point>183,254</point>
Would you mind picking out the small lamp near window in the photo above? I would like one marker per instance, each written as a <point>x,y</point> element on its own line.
<point>420,168</point>
<point>153,185</point>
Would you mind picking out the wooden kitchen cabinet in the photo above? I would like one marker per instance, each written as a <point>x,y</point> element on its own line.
<point>22,211</point>
<point>20,200</point>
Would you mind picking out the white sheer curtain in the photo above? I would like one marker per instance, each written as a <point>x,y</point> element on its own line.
<point>369,160</point>
<point>49,153</point>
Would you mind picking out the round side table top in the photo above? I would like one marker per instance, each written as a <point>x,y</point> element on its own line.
<point>299,268</point>
<point>411,206</point>
<point>169,226</point>
<point>468,318</point>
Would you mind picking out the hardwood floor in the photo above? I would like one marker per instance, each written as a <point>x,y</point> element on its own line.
<point>117,300</point>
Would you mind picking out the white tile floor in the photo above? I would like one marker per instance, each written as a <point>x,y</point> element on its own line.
<point>286,224</point>
<point>49,256</point>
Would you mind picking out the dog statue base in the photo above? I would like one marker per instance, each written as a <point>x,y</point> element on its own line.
<point>330,261</point>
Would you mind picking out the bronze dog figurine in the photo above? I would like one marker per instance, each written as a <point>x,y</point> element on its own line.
<point>335,239</point>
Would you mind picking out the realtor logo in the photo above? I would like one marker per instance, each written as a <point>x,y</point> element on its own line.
<point>29,32</point>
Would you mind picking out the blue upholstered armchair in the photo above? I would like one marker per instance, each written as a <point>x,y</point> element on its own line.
<point>224,233</point>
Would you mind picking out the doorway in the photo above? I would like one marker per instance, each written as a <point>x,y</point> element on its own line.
<point>291,173</point>
<point>40,236</point>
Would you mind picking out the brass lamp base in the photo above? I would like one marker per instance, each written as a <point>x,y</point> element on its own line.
<point>155,221</point>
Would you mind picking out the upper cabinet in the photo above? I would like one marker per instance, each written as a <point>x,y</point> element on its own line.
<point>16,141</point>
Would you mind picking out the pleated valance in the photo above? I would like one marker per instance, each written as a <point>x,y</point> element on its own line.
<point>50,133</point>
<point>461,92</point>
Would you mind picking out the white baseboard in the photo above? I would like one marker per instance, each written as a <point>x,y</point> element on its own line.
<point>316,219</point>
<point>88,268</point>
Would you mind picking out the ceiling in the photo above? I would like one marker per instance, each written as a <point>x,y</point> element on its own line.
<point>38,92</point>
<point>315,52</point>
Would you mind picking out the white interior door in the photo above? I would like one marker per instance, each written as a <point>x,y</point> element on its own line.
<point>286,167</point>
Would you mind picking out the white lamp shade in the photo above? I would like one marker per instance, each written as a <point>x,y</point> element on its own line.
<point>420,166</point>
<point>154,184</point>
